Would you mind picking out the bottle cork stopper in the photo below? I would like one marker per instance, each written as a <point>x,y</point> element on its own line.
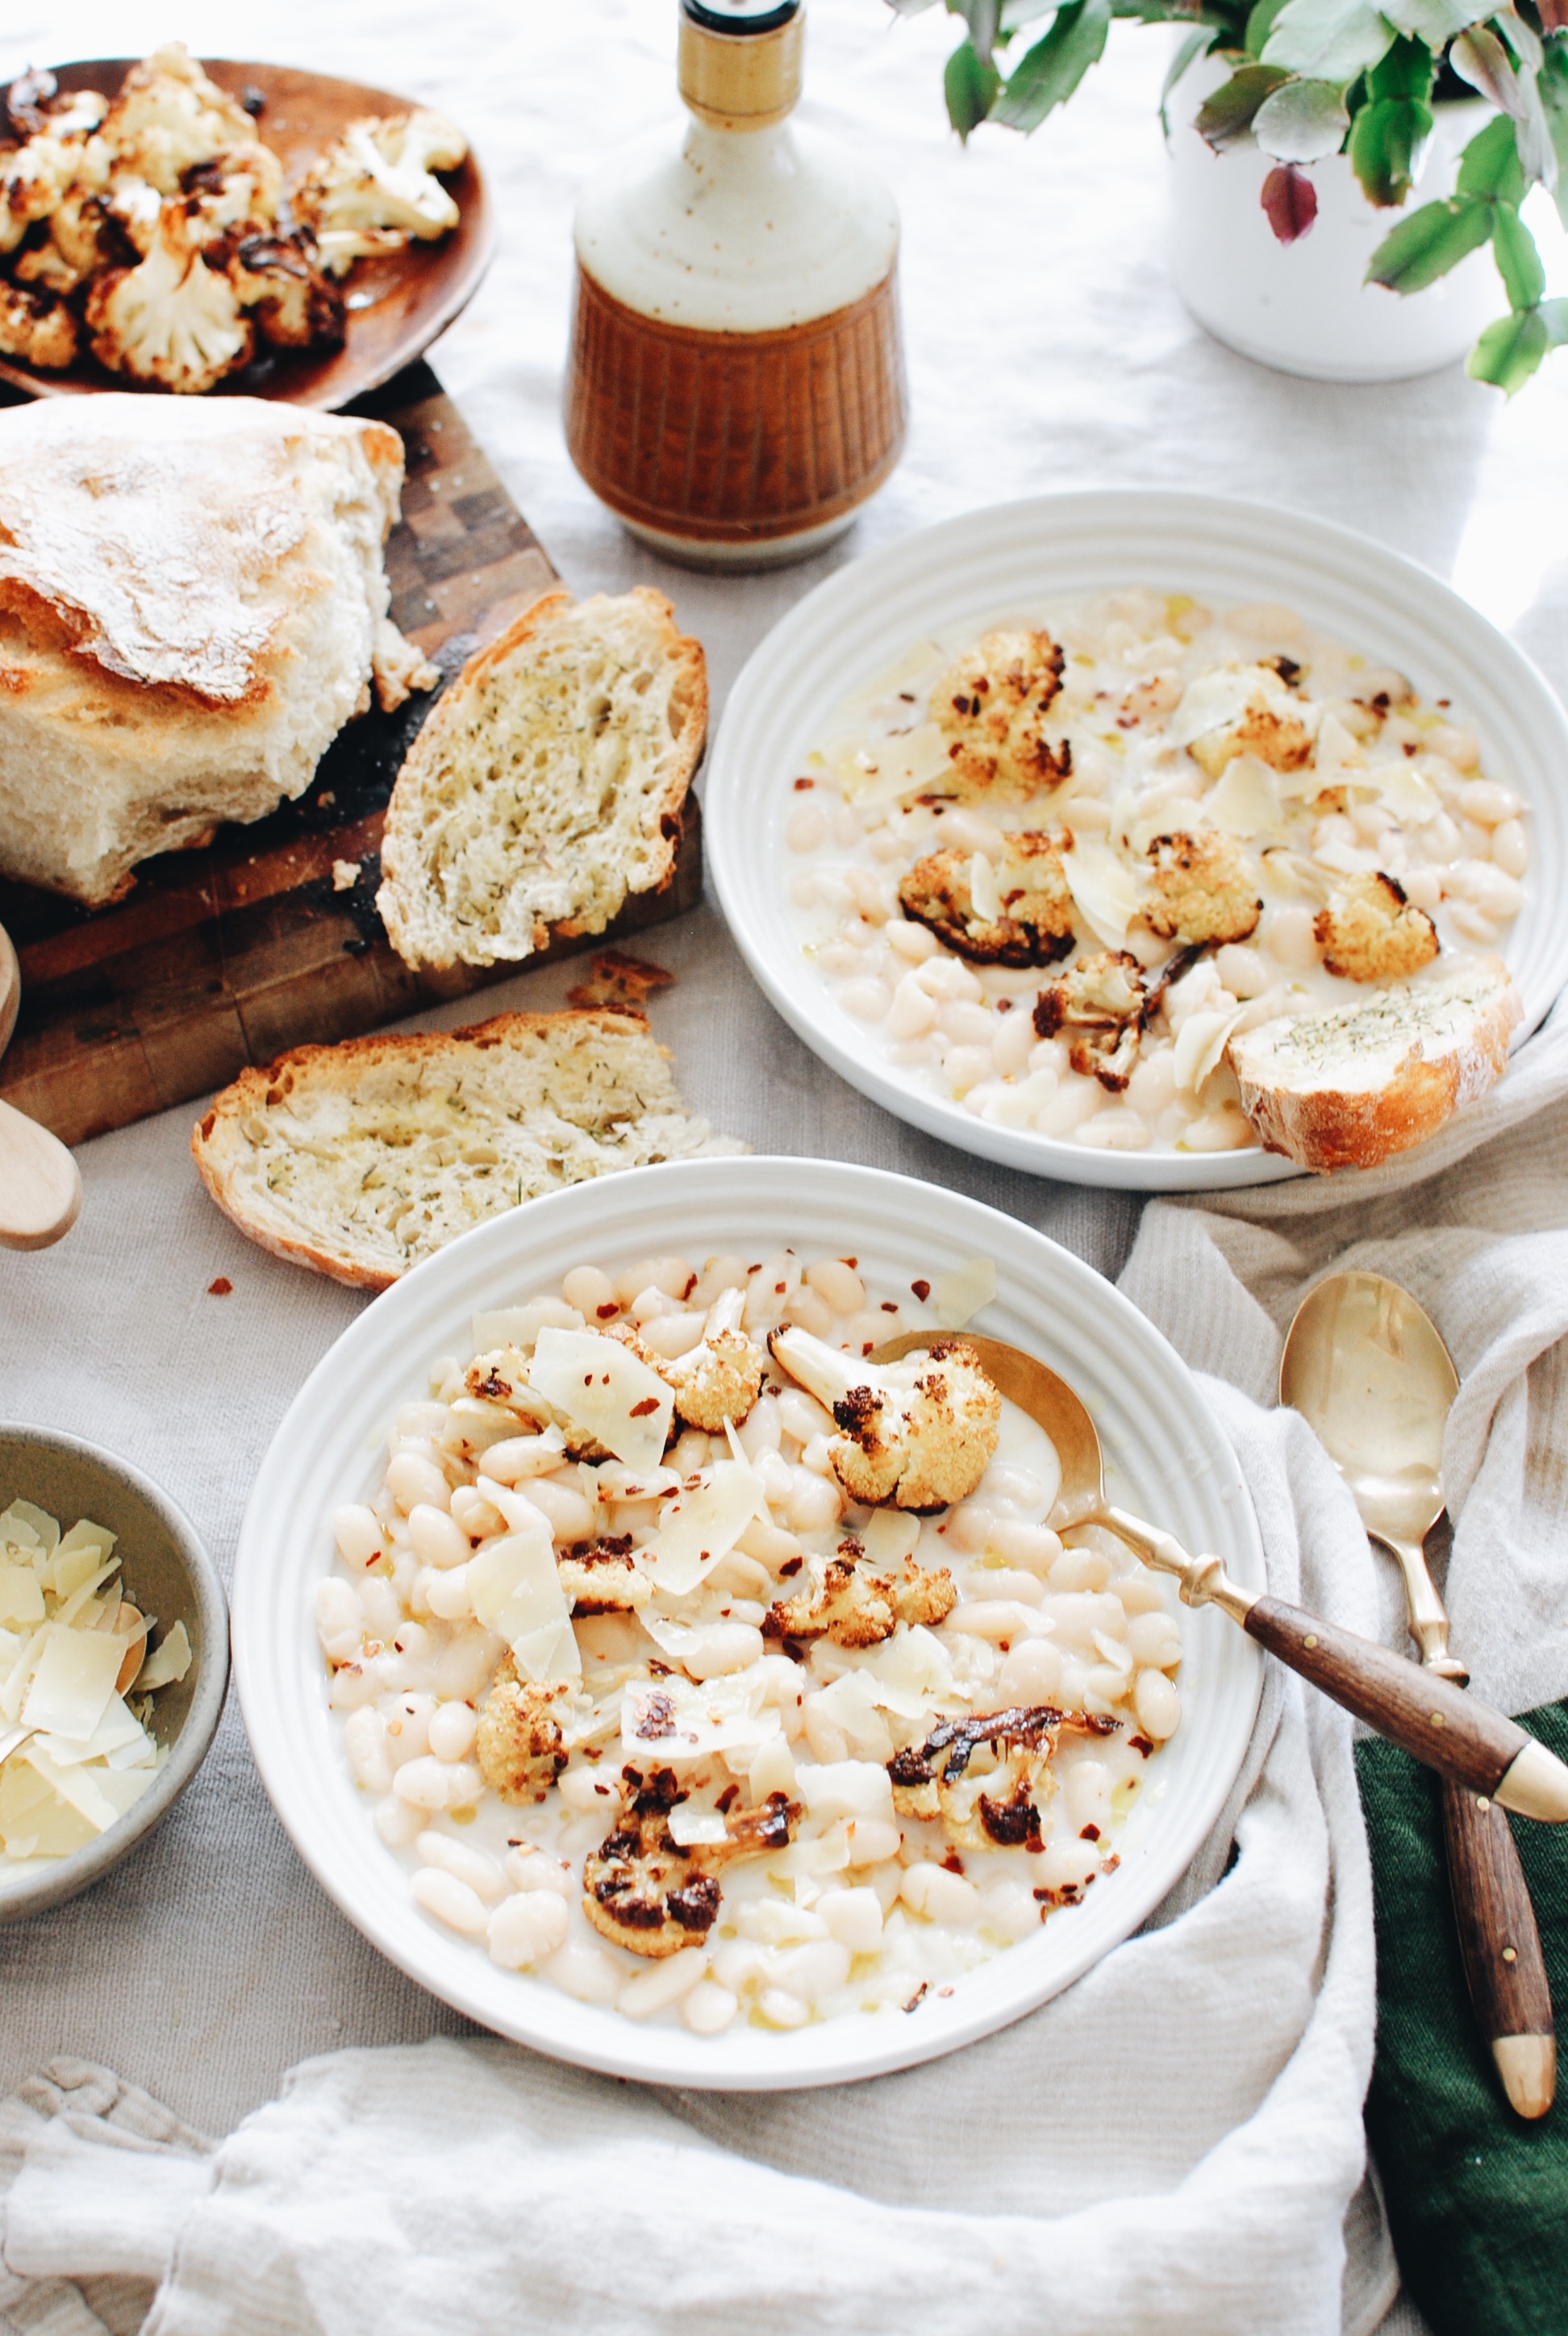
<point>740,61</point>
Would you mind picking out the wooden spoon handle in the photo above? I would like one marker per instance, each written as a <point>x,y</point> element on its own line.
<point>1501,1946</point>
<point>40,1185</point>
<point>1433,1719</point>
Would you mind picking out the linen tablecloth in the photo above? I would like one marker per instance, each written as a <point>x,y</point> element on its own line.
<point>1046,349</point>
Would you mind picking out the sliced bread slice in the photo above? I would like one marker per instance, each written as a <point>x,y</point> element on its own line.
<point>361,1159</point>
<point>547,783</point>
<point>1354,1085</point>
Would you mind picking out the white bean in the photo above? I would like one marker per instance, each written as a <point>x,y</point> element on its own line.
<point>837,1284</point>
<point>1486,804</point>
<point>451,1902</point>
<point>1154,1639</point>
<point>1031,1673</point>
<point>422,1782</point>
<point>970,1025</point>
<point>1036,1547</point>
<point>708,2008</point>
<point>408,1719</point>
<point>721,1648</point>
<point>1158,1705</point>
<point>357,1529</point>
<point>578,1788</point>
<point>939,1895</point>
<point>565,1511</point>
<point>1509,848</point>
<point>339,1618</point>
<point>397,1824</point>
<point>481,1871</point>
<point>446,1594</point>
<point>410,1478</point>
<point>476,1516</point>
<point>591,1292</point>
<point>810,1312</point>
<point>353,1685</point>
<point>1496,894</point>
<point>1009,1909</point>
<point>868,1000</point>
<point>805,828</point>
<point>1423,887</point>
<point>649,1992</point>
<point>523,1931</point>
<point>585,1972</point>
<point>812,1970</point>
<point>813,1505</point>
<point>913,943</point>
<point>912,1013</point>
<point>438,1540</point>
<point>451,1731</point>
<point>994,1581</point>
<point>1012,1042</point>
<point>782,2009</point>
<point>1000,1622</point>
<point>1065,1865</point>
<point>872,1841</point>
<point>1472,924</point>
<point>1286,933</point>
<point>365,1746</point>
<point>966,1066</point>
<point>855,1917</point>
<point>533,1870</point>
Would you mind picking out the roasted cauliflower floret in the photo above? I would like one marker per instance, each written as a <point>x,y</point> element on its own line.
<point>919,1434</point>
<point>1271,725</point>
<point>276,279</point>
<point>518,1744</point>
<point>719,1378</point>
<point>602,1577</point>
<point>376,190</point>
<point>1098,1006</point>
<point>1370,932</point>
<point>1030,920</point>
<point>845,1599</point>
<point>173,319</point>
<point>34,103</point>
<point>987,1777</point>
<point>502,1376</point>
<point>39,330</point>
<point>32,180</point>
<point>1202,889</point>
<point>236,192</point>
<point>645,1891</point>
<point>991,708</point>
<point>169,116</point>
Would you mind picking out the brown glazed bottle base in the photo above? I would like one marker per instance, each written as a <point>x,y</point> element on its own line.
<point>730,439</point>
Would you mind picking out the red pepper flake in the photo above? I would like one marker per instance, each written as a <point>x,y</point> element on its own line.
<point>1411,747</point>
<point>802,786</point>
<point>1141,1744</point>
<point>222,1287</point>
<point>953,1863</point>
<point>851,1262</point>
<point>867,1348</point>
<point>779,1288</point>
<point>726,1799</point>
<point>604,1313</point>
<point>1444,701</point>
<point>756,1268</point>
<point>791,1565</point>
<point>944,1990</point>
<point>1004,1006</point>
<point>888,1306</point>
<point>640,1410</point>
<point>922,1290</point>
<point>1090,1832</point>
<point>919,1996</point>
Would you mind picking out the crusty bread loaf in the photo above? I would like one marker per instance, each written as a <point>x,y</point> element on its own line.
<point>1354,1085</point>
<point>547,783</point>
<point>359,1160</point>
<point>193,604</point>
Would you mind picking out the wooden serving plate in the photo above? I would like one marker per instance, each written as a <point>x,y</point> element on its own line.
<point>228,955</point>
<point>397,304</point>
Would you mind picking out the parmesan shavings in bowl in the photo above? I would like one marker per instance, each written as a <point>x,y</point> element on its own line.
<point>76,1687</point>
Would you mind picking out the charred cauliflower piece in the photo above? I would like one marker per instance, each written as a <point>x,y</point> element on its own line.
<point>1202,889</point>
<point>34,102</point>
<point>844,1600</point>
<point>518,1744</point>
<point>233,193</point>
<point>643,1891</point>
<point>918,1433</point>
<point>1270,726</point>
<point>1370,932</point>
<point>276,279</point>
<point>502,1376</point>
<point>1098,1006</point>
<point>717,1380</point>
<point>1031,922</point>
<point>169,117</point>
<point>986,1778</point>
<point>991,706</point>
<point>36,328</point>
<point>171,320</point>
<point>602,1577</point>
<point>33,180</point>
<point>376,190</point>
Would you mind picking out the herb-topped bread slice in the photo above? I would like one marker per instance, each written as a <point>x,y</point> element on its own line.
<point>548,783</point>
<point>1353,1086</point>
<point>361,1159</point>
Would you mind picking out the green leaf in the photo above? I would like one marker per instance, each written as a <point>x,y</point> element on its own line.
<point>1301,122</point>
<point>970,89</point>
<point>1435,21</point>
<point>1261,23</point>
<point>1509,351</point>
<point>1405,70</point>
<point>1518,261</point>
<point>1227,114</point>
<point>1188,49</point>
<point>1051,71</point>
<point>1386,139</point>
<point>981,17</point>
<point>1327,40</point>
<point>1489,166</point>
<point>1429,243</point>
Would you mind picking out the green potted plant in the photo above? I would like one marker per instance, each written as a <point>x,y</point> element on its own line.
<point>1339,113</point>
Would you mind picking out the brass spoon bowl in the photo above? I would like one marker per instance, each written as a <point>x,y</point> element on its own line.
<point>39,1184</point>
<point>1430,1716</point>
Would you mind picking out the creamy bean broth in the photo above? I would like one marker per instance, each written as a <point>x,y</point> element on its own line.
<point>760,1724</point>
<point>1249,820</point>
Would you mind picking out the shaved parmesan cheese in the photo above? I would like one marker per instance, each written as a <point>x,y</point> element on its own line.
<point>82,1790</point>
<point>1405,788</point>
<point>520,1326</point>
<point>605,1389</point>
<point>1245,801</point>
<point>77,1607</point>
<point>846,1789</point>
<point>1102,887</point>
<point>984,890</point>
<point>1200,1043</point>
<point>899,765</point>
<point>1215,700</point>
<point>27,1527</point>
<point>672,1719</point>
<point>614,1483</point>
<point>911,1671</point>
<point>957,1297</point>
<point>515,1591</point>
<point>889,1536</point>
<point>697,1528</point>
<point>167,1663</point>
<point>689,1826</point>
<point>21,1594</point>
<point>1337,750</point>
<point>72,1681</point>
<point>117,1731</point>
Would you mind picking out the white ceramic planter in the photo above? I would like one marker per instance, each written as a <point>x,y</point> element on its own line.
<point>1303,307</point>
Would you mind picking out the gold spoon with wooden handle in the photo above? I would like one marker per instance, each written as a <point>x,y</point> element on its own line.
<point>1366,1369</point>
<point>39,1184</point>
<point>1429,1717</point>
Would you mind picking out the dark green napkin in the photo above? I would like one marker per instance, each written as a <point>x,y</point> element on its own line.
<point>1477,2198</point>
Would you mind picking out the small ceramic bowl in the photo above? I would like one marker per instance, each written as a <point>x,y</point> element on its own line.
<point>168,1573</point>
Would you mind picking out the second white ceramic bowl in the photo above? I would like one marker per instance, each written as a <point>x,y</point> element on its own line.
<point>1167,1457</point>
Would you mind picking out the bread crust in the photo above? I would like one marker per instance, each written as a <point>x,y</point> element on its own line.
<point>223,1150</point>
<point>402,892</point>
<point>1338,1122</point>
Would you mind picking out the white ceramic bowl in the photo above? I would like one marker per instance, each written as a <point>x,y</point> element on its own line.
<point>974,571</point>
<point>1166,1455</point>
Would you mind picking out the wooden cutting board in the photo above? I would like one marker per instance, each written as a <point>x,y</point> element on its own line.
<point>268,938</point>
